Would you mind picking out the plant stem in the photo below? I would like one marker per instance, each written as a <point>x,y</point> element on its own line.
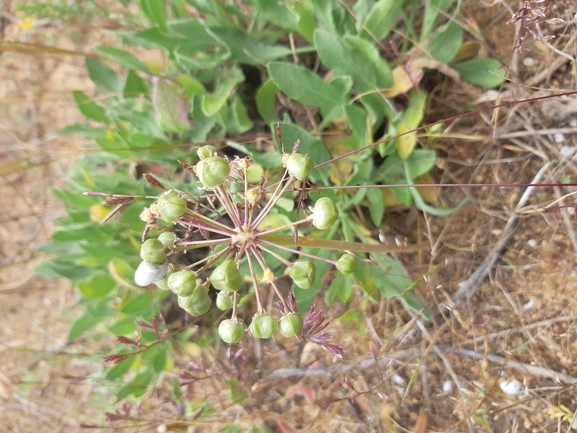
<point>301,253</point>
<point>254,280</point>
<point>185,246</point>
<point>273,200</point>
<point>296,223</point>
<point>278,240</point>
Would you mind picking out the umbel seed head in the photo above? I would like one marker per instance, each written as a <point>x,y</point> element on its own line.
<point>263,325</point>
<point>182,283</point>
<point>167,238</point>
<point>226,276</point>
<point>212,171</point>
<point>151,251</point>
<point>291,324</point>
<point>231,330</point>
<point>299,165</point>
<point>325,213</point>
<point>347,264</point>
<point>171,206</point>
<point>303,273</point>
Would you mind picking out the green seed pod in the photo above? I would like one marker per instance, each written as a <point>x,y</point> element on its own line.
<point>231,330</point>
<point>290,324</point>
<point>151,251</point>
<point>254,173</point>
<point>325,213</point>
<point>223,300</point>
<point>163,284</point>
<point>263,326</point>
<point>347,264</point>
<point>198,303</point>
<point>206,152</point>
<point>167,238</point>
<point>171,206</point>
<point>182,283</point>
<point>303,273</point>
<point>212,171</point>
<point>299,165</point>
<point>226,276</point>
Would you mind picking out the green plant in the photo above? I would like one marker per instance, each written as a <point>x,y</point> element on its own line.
<point>155,112</point>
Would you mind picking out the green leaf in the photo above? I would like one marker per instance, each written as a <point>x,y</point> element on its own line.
<point>90,108</point>
<point>266,100</point>
<point>122,57</point>
<point>212,103</point>
<point>380,19</point>
<point>134,85</point>
<point>377,207</point>
<point>137,387</point>
<point>486,73</point>
<point>306,22</point>
<point>124,326</point>
<point>421,161</point>
<point>63,270</point>
<point>97,286</point>
<point>410,119</point>
<point>432,10</point>
<point>277,13</point>
<point>86,130</point>
<point>102,76</point>
<point>83,324</point>
<point>366,56</point>
<point>446,44</point>
<point>169,106</point>
<point>142,302</point>
<point>238,120</point>
<point>121,368</point>
<point>160,360</point>
<point>155,10</point>
<point>304,86</point>
<point>191,85</point>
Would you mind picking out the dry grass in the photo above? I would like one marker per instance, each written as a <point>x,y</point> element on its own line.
<point>520,324</point>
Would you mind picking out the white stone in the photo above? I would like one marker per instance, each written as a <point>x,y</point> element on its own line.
<point>529,61</point>
<point>558,137</point>
<point>447,386</point>
<point>532,243</point>
<point>511,387</point>
<point>529,305</point>
<point>567,151</point>
<point>573,123</point>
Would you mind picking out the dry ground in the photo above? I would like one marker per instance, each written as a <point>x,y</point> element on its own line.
<point>521,322</point>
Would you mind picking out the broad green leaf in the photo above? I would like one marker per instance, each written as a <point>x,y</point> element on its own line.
<point>432,10</point>
<point>367,56</point>
<point>377,207</point>
<point>122,57</point>
<point>83,324</point>
<point>121,368</point>
<point>156,38</point>
<point>277,13</point>
<point>169,106</point>
<point>212,103</point>
<point>446,44</point>
<point>90,108</point>
<point>357,118</point>
<point>195,31</point>
<point>238,120</point>
<point>266,100</point>
<point>86,130</point>
<point>191,85</point>
<point>142,302</point>
<point>410,119</point>
<point>102,76</point>
<point>97,286</point>
<point>137,387</point>
<point>124,326</point>
<point>306,22</point>
<point>487,73</point>
<point>380,20</point>
<point>156,11</point>
<point>421,161</point>
<point>304,86</point>
<point>63,270</point>
<point>160,360</point>
<point>134,85</point>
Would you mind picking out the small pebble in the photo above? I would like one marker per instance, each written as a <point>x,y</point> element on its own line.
<point>559,138</point>
<point>447,386</point>
<point>573,123</point>
<point>532,243</point>
<point>529,305</point>
<point>567,151</point>
<point>511,387</point>
<point>398,379</point>
<point>529,61</point>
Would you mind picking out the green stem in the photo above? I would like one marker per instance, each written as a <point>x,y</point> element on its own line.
<point>330,244</point>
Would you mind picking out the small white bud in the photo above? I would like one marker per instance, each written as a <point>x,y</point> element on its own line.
<point>511,387</point>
